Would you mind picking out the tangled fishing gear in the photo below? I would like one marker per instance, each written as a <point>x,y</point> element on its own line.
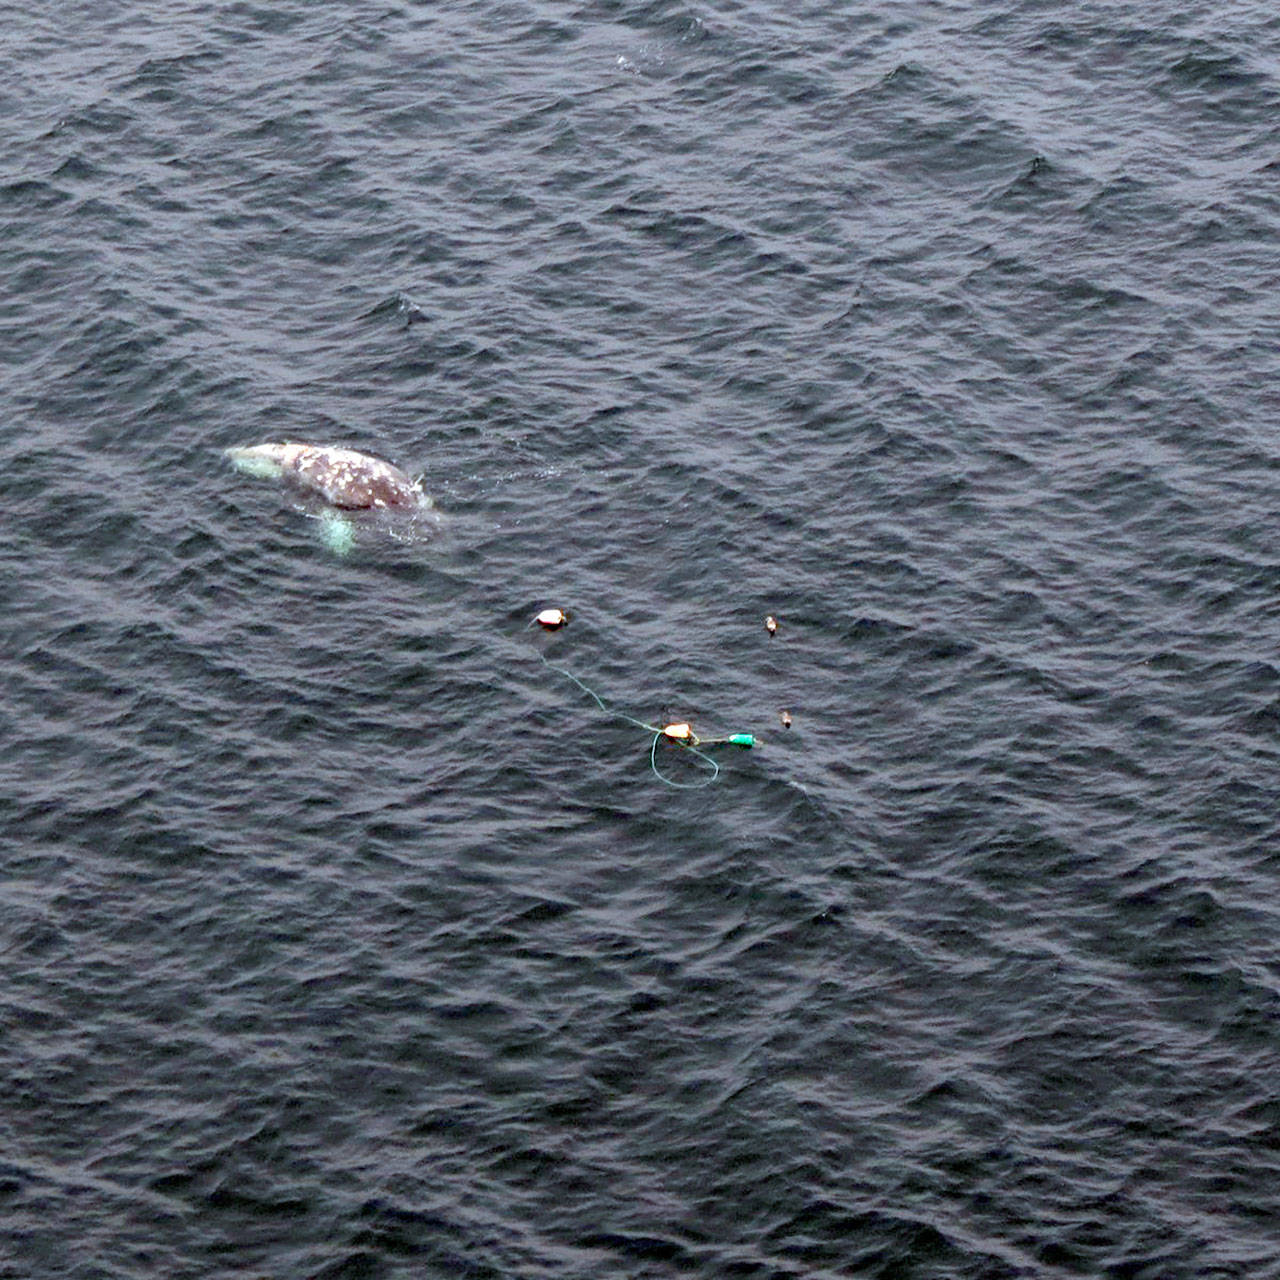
<point>679,734</point>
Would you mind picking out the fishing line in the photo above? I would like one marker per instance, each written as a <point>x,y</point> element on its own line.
<point>678,734</point>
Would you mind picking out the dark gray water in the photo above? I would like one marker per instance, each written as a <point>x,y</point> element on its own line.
<point>341,937</point>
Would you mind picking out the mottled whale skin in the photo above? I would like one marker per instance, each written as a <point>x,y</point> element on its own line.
<point>344,478</point>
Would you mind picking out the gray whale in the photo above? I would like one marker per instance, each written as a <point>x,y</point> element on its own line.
<point>344,478</point>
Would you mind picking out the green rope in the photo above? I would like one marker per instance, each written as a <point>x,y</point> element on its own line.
<point>671,782</point>
<point>736,739</point>
<point>568,675</point>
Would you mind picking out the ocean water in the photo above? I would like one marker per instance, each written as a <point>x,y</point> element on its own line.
<point>344,936</point>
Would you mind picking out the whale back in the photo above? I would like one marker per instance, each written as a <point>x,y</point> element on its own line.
<point>350,479</point>
<point>345,478</point>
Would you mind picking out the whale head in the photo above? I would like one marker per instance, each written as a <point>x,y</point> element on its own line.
<point>263,461</point>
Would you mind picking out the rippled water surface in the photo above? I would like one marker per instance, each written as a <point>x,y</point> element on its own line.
<point>344,936</point>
